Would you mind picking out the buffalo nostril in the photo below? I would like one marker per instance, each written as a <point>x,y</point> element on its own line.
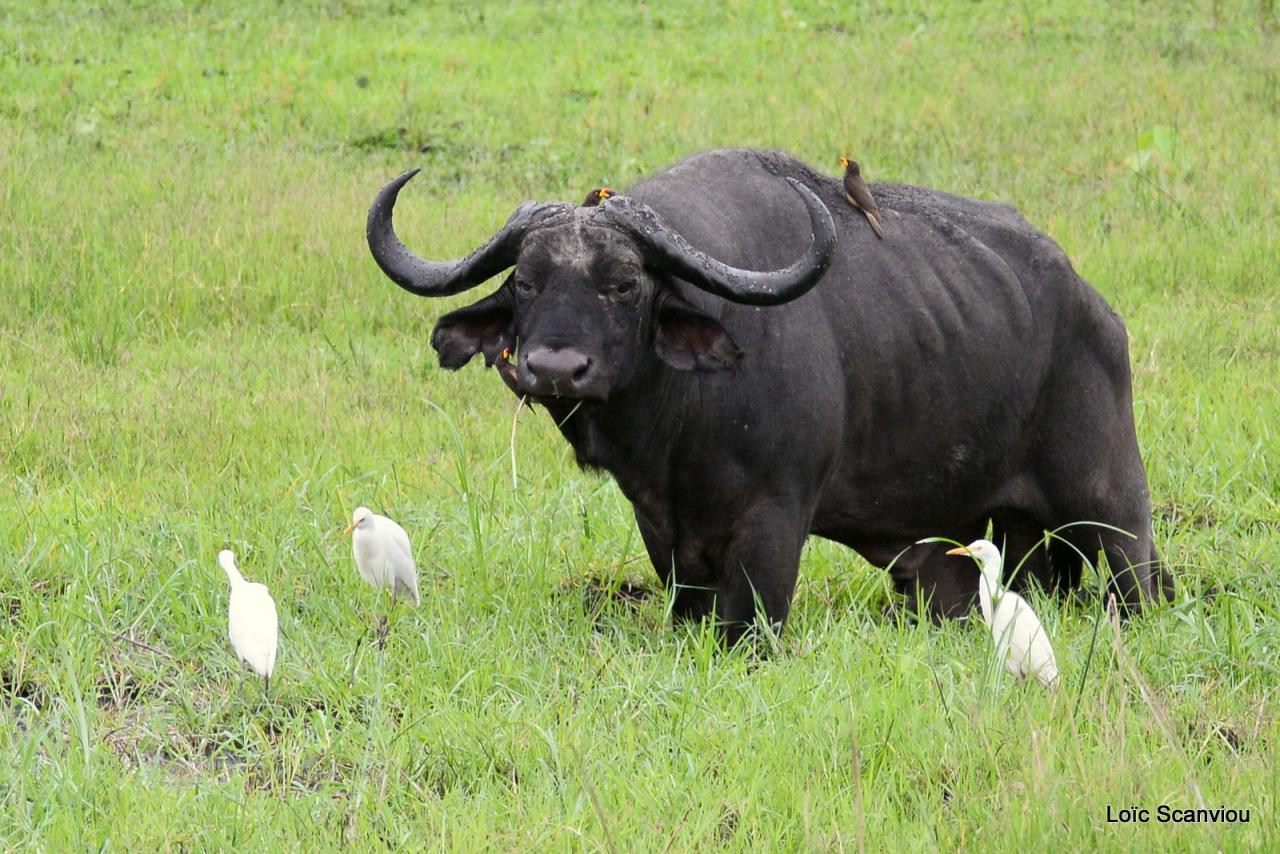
<point>557,371</point>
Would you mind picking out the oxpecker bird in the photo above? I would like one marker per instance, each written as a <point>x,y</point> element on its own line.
<point>383,555</point>
<point>596,196</point>
<point>252,624</point>
<point>859,195</point>
<point>507,370</point>
<point>1021,641</point>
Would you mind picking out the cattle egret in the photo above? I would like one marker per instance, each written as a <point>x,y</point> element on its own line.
<point>252,624</point>
<point>1020,639</point>
<point>383,555</point>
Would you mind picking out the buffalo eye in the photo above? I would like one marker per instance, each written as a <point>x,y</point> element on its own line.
<point>625,287</point>
<point>523,287</point>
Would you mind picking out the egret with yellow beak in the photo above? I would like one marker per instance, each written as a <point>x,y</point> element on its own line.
<point>383,555</point>
<point>1020,639</point>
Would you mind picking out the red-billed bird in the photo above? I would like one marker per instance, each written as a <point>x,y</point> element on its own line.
<point>596,196</point>
<point>856,191</point>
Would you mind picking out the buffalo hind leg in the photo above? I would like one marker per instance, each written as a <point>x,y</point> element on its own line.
<point>1021,542</point>
<point>1055,565</point>
<point>1137,577</point>
<point>1109,512</point>
<point>948,584</point>
<point>1091,471</point>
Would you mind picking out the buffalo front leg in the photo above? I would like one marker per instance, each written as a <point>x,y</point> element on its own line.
<point>757,569</point>
<point>690,587</point>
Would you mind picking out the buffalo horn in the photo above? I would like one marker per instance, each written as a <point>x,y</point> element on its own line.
<point>444,278</point>
<point>751,287</point>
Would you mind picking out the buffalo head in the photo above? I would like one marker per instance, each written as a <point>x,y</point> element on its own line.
<point>591,295</point>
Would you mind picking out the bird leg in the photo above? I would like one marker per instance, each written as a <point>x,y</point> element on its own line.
<point>384,625</point>
<point>355,656</point>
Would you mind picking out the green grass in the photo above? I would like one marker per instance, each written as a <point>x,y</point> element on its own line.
<point>196,352</point>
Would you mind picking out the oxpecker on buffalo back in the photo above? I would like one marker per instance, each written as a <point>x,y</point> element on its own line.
<point>859,195</point>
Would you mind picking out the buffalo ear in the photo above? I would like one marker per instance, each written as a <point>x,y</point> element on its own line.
<point>485,326</point>
<point>691,340</point>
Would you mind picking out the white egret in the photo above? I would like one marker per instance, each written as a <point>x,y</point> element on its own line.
<point>252,624</point>
<point>1021,641</point>
<point>383,555</point>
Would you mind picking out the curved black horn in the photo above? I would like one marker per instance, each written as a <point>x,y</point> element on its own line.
<point>444,278</point>
<point>744,286</point>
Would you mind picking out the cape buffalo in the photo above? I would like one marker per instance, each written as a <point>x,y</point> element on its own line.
<point>749,379</point>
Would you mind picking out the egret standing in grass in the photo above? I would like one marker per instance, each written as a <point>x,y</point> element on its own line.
<point>1021,641</point>
<point>383,555</point>
<point>252,624</point>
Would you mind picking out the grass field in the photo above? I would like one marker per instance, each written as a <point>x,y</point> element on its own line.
<point>196,352</point>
